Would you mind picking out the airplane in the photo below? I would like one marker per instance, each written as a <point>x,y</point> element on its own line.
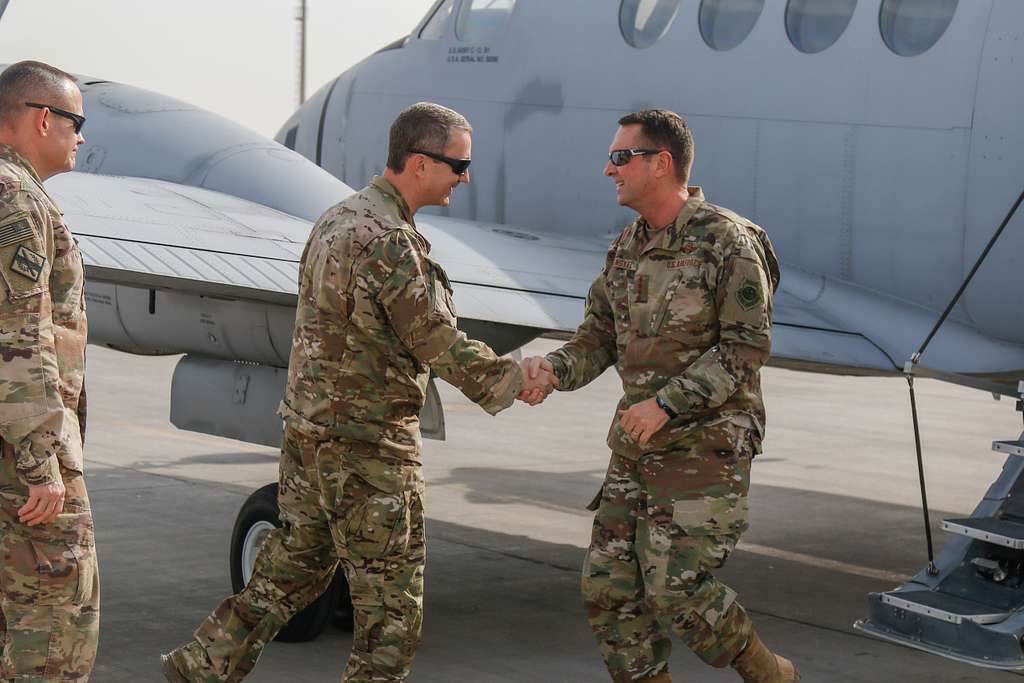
<point>875,141</point>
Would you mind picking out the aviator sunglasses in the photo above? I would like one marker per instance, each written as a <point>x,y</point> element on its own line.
<point>79,121</point>
<point>621,157</point>
<point>458,166</point>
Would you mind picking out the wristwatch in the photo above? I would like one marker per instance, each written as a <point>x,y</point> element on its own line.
<point>664,406</point>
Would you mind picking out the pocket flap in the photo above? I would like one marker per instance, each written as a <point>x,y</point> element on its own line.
<point>711,516</point>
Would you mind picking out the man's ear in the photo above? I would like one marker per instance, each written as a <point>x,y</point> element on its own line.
<point>41,121</point>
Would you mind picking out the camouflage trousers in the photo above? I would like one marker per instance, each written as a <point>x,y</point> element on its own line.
<point>663,523</point>
<point>330,515</point>
<point>49,586</point>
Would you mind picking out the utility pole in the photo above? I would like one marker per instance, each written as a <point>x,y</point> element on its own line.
<point>300,18</point>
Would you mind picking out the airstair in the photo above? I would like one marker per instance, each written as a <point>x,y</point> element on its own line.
<point>969,605</point>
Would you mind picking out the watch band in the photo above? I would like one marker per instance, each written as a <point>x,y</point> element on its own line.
<point>664,406</point>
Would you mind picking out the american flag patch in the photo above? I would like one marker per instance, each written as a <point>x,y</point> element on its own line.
<point>17,231</point>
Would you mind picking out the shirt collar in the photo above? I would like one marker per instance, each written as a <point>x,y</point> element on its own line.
<point>671,237</point>
<point>10,154</point>
<point>391,191</point>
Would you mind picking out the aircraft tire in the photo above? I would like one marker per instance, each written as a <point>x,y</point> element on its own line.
<point>259,513</point>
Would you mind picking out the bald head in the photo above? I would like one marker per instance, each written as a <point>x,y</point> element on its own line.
<point>33,82</point>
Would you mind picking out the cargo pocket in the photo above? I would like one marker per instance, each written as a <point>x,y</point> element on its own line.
<point>712,527</point>
<point>61,565</point>
<point>375,523</point>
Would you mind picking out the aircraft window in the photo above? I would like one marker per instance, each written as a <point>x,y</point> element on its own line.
<point>481,20</point>
<point>644,22</point>
<point>437,25</point>
<point>814,25</point>
<point>724,24</point>
<point>909,27</point>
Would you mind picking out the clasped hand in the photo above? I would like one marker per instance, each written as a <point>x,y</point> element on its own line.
<point>538,380</point>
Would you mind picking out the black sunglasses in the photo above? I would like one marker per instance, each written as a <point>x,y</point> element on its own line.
<point>79,121</point>
<point>621,157</point>
<point>458,166</point>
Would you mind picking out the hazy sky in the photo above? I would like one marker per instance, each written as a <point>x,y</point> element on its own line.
<point>235,57</point>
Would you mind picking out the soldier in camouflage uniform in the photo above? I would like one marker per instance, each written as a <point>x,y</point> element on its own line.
<point>375,316</point>
<point>683,310</point>
<point>49,587</point>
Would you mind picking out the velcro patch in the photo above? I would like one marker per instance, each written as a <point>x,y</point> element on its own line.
<point>15,232</point>
<point>692,262</point>
<point>28,263</point>
<point>625,264</point>
<point>748,295</point>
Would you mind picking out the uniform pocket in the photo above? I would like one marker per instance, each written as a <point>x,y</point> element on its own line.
<point>374,523</point>
<point>58,565</point>
<point>711,516</point>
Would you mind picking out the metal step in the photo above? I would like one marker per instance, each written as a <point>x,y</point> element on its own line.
<point>988,529</point>
<point>944,607</point>
<point>1009,447</point>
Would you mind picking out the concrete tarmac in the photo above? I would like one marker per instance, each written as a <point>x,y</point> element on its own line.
<point>835,515</point>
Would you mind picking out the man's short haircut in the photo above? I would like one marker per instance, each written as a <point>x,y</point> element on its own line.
<point>30,81</point>
<point>663,129</point>
<point>425,126</point>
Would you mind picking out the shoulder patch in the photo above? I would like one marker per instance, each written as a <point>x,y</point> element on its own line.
<point>28,263</point>
<point>18,230</point>
<point>749,295</point>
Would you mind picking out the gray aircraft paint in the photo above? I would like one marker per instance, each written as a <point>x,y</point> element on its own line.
<point>882,171</point>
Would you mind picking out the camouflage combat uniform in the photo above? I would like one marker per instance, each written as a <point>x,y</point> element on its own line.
<point>683,313</point>
<point>49,586</point>
<point>375,316</point>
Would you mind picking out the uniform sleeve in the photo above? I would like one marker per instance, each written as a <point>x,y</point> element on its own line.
<point>592,348</point>
<point>417,298</point>
<point>744,299</point>
<point>31,409</point>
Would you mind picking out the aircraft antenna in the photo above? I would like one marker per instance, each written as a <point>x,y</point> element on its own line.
<point>300,19</point>
<point>908,372</point>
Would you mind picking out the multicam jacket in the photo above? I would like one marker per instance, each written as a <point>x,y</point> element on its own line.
<point>375,316</point>
<point>42,328</point>
<point>683,313</point>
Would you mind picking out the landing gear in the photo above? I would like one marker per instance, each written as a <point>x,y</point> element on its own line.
<point>257,518</point>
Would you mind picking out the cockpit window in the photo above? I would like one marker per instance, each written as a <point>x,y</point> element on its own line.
<point>437,25</point>
<point>481,20</point>
<point>644,22</point>
<point>814,25</point>
<point>724,24</point>
<point>910,27</point>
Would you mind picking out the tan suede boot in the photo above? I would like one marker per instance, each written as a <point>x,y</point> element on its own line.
<point>758,664</point>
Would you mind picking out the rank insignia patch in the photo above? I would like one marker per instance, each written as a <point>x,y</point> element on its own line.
<point>15,232</point>
<point>28,263</point>
<point>748,295</point>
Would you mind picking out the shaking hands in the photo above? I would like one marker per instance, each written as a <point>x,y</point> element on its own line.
<point>538,380</point>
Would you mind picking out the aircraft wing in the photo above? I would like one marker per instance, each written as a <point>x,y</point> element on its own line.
<point>834,326</point>
<point>155,234</point>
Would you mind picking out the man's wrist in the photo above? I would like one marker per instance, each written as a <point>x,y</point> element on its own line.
<point>665,407</point>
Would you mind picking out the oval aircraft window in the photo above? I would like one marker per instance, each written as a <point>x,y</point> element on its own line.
<point>724,24</point>
<point>814,25</point>
<point>481,20</point>
<point>909,27</point>
<point>644,22</point>
<point>437,25</point>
